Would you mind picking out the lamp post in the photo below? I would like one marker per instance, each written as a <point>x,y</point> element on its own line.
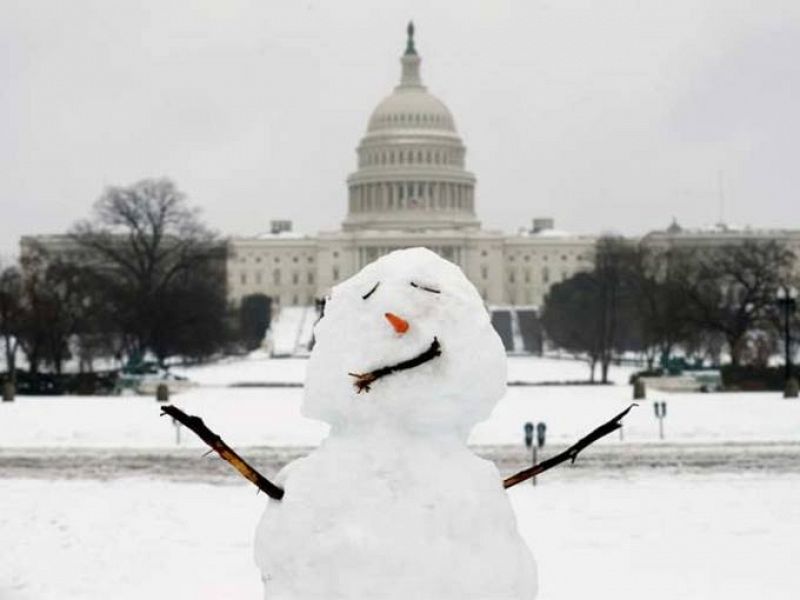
<point>787,301</point>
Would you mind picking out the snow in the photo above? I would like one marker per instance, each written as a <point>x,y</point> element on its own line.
<point>289,332</point>
<point>259,369</point>
<point>256,369</point>
<point>551,233</point>
<point>370,512</point>
<point>242,416</point>
<point>654,534</point>
<point>572,411</point>
<point>719,522</point>
<point>271,417</point>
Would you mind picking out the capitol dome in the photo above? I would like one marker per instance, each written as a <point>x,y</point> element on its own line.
<point>411,108</point>
<point>411,171</point>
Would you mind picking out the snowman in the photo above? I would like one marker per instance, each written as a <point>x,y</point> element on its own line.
<point>393,504</point>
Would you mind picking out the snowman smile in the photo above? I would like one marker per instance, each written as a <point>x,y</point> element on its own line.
<point>364,380</point>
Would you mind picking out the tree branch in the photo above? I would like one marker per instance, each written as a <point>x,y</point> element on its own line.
<point>570,453</point>
<point>215,442</point>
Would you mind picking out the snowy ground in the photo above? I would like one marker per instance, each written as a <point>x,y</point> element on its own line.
<point>259,368</point>
<point>638,535</point>
<point>98,500</point>
<point>271,417</point>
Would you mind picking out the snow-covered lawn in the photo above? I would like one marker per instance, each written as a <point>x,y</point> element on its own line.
<point>258,367</point>
<point>271,416</point>
<point>639,535</point>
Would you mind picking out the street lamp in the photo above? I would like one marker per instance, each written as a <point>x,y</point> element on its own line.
<point>787,301</point>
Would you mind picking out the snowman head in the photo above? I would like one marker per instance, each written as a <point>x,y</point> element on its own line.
<point>410,307</point>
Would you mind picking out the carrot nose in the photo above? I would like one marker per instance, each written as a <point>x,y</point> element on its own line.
<point>400,325</point>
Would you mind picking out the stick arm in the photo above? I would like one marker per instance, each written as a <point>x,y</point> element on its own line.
<point>571,453</point>
<point>226,452</point>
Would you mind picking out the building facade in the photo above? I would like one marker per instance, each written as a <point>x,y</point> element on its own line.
<point>410,188</point>
<point>718,235</point>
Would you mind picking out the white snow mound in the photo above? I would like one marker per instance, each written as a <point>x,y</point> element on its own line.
<point>393,505</point>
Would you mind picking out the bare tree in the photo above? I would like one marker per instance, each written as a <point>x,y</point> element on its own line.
<point>614,274</point>
<point>52,306</point>
<point>571,320</point>
<point>254,319</point>
<point>731,290</point>
<point>11,316</point>
<point>661,301</point>
<point>156,265</point>
<point>593,313</point>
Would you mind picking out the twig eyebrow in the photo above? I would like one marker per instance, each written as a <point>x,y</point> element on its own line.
<point>427,289</point>
<point>372,291</point>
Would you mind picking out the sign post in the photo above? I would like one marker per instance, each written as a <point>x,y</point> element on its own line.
<point>660,409</point>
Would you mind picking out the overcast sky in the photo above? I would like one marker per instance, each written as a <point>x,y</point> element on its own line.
<point>613,115</point>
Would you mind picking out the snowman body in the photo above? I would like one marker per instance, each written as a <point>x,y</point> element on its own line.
<point>393,504</point>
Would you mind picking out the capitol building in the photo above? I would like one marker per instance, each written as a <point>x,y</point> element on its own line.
<point>411,187</point>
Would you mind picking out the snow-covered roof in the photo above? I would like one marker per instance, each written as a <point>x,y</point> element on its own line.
<point>285,235</point>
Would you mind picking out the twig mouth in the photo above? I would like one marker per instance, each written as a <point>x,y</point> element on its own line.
<point>364,380</point>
